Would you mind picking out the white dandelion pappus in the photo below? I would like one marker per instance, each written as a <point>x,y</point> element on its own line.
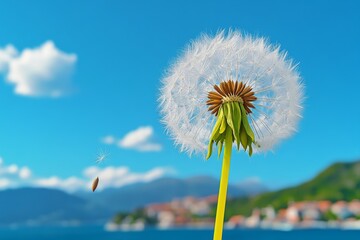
<point>102,156</point>
<point>210,60</point>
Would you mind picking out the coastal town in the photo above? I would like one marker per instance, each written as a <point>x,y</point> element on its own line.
<point>196,213</point>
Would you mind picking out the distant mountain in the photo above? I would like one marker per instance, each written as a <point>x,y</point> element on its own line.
<point>164,190</point>
<point>45,207</point>
<point>340,181</point>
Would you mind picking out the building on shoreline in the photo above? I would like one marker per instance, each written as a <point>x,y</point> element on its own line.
<point>198,212</point>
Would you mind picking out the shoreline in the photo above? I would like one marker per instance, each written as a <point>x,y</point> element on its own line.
<point>277,226</point>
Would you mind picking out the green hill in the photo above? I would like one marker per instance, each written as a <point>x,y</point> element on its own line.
<point>340,181</point>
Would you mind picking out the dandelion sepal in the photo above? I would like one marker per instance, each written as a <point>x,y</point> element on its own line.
<point>246,124</point>
<point>237,123</point>
<point>232,115</point>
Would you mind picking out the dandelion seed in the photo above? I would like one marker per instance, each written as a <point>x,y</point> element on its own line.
<point>251,89</point>
<point>95,184</point>
<point>102,156</point>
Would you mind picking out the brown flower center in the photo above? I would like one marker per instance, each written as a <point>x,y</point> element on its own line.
<point>231,91</point>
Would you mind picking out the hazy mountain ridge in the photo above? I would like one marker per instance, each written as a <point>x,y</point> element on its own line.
<point>340,181</point>
<point>164,190</point>
<point>45,206</point>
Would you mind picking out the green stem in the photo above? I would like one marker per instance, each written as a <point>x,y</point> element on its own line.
<point>220,209</point>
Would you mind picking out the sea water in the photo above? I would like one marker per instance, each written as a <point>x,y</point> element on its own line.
<point>98,233</point>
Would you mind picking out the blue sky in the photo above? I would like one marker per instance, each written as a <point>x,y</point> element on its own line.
<point>117,52</point>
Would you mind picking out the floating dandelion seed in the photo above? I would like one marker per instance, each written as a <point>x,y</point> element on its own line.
<point>251,89</point>
<point>102,155</point>
<point>95,184</point>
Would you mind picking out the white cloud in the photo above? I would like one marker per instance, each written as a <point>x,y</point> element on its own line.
<point>68,184</point>
<point>108,140</point>
<point>138,139</point>
<point>149,147</point>
<point>12,175</point>
<point>25,173</point>
<point>9,170</point>
<point>7,54</point>
<point>13,169</point>
<point>110,177</point>
<point>43,71</point>
<point>252,180</point>
<point>4,183</point>
<point>120,176</point>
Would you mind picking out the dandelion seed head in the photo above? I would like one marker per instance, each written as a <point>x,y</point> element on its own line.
<point>210,60</point>
<point>231,91</point>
